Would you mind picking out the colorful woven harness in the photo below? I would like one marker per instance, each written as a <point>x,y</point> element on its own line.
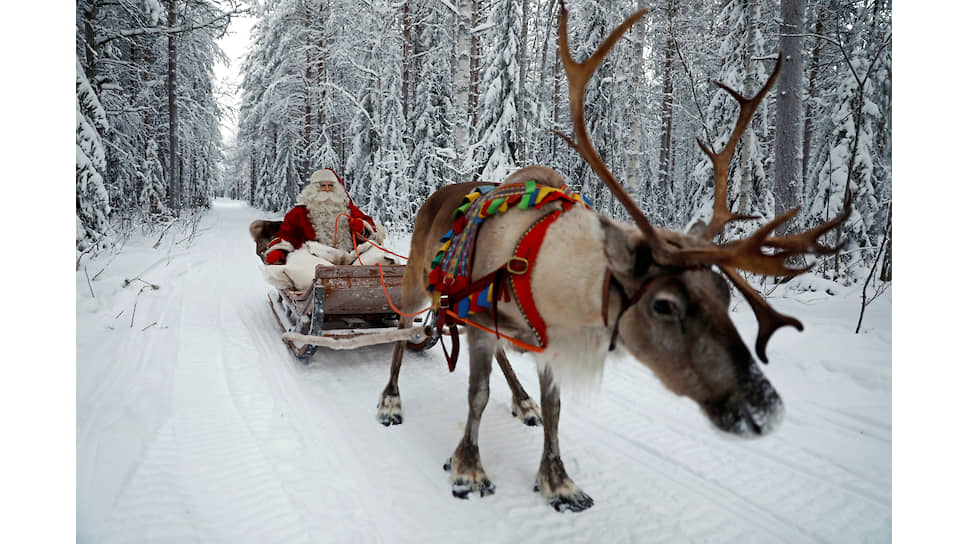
<point>449,280</point>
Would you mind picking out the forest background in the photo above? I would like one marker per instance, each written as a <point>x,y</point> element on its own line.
<point>429,93</point>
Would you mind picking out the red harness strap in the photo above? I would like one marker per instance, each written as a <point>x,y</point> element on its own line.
<point>524,257</point>
<point>518,272</point>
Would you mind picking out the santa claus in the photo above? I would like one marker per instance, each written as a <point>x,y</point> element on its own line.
<point>321,229</point>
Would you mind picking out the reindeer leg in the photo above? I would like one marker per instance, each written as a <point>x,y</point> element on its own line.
<point>389,411</point>
<point>466,473</point>
<point>552,480</point>
<point>412,296</point>
<point>523,406</point>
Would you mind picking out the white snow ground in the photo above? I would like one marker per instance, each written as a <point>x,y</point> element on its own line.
<point>194,424</point>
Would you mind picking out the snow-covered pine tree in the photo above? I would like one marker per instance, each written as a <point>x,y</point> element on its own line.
<point>588,26</point>
<point>850,160</point>
<point>328,67</point>
<point>635,111</point>
<point>378,163</point>
<point>151,200</point>
<point>433,106</point>
<point>495,148</point>
<point>282,106</point>
<point>92,197</point>
<point>284,181</point>
<point>684,48</point>
<point>389,181</point>
<point>547,97</point>
<point>122,52</point>
<point>746,61</point>
<point>200,113</point>
<point>849,157</point>
<point>251,140</point>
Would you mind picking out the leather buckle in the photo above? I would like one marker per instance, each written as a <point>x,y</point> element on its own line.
<point>444,302</point>
<point>521,262</point>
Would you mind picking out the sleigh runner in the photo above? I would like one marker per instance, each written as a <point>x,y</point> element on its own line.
<point>347,307</point>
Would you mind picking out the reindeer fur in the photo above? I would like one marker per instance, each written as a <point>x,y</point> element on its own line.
<point>680,329</point>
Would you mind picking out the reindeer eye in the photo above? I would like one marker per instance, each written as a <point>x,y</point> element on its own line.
<point>662,306</point>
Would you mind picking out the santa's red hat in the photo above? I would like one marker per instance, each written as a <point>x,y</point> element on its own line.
<point>326,174</point>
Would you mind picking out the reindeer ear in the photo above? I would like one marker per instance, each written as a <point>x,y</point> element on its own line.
<point>626,252</point>
<point>697,228</point>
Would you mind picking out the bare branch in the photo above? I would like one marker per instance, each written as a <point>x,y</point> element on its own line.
<point>165,30</point>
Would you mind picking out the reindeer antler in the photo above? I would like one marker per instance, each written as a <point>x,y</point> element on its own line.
<point>747,107</point>
<point>578,76</point>
<point>746,254</point>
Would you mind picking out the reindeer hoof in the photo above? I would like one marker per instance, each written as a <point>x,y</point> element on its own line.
<point>389,411</point>
<point>565,496</point>
<point>467,481</point>
<point>527,411</point>
<point>574,503</point>
<point>462,487</point>
<point>387,420</point>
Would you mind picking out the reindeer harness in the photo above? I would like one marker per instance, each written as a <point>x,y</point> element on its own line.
<point>449,280</point>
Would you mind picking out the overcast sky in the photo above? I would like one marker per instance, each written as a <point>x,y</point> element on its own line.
<point>228,77</point>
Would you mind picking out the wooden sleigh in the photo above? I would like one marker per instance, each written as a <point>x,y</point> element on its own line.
<point>347,308</point>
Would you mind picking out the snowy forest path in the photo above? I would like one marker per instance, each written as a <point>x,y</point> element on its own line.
<point>196,424</point>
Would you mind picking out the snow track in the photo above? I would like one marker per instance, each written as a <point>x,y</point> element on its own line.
<point>196,425</point>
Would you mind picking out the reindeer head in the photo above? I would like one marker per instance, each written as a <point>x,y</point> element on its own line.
<point>675,312</point>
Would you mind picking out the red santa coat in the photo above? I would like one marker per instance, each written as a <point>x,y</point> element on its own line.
<point>297,228</point>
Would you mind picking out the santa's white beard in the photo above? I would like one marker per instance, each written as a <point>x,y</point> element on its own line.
<point>324,207</point>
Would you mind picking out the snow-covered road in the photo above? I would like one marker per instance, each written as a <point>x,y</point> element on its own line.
<point>194,424</point>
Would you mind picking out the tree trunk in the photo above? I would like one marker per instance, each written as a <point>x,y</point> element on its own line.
<point>523,60</point>
<point>173,177</point>
<point>811,98</point>
<point>252,179</point>
<point>887,265</point>
<point>305,165</point>
<point>543,71</point>
<point>636,146</point>
<point>462,75</point>
<point>475,63</point>
<point>181,182</point>
<point>664,185</point>
<point>744,201</point>
<point>90,57</point>
<point>789,112</point>
<point>557,102</point>
<point>321,69</point>
<point>407,48</point>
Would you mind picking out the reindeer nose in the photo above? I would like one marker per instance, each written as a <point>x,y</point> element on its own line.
<point>754,409</point>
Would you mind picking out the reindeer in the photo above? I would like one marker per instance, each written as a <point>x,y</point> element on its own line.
<point>602,283</point>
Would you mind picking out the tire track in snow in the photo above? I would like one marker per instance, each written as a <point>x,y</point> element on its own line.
<point>264,379</point>
<point>218,464</point>
<point>783,451</point>
<point>849,422</point>
<point>135,393</point>
<point>300,441</point>
<point>810,484</point>
<point>699,503</point>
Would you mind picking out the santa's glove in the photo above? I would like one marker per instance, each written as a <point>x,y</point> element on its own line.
<point>357,226</point>
<point>276,256</point>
